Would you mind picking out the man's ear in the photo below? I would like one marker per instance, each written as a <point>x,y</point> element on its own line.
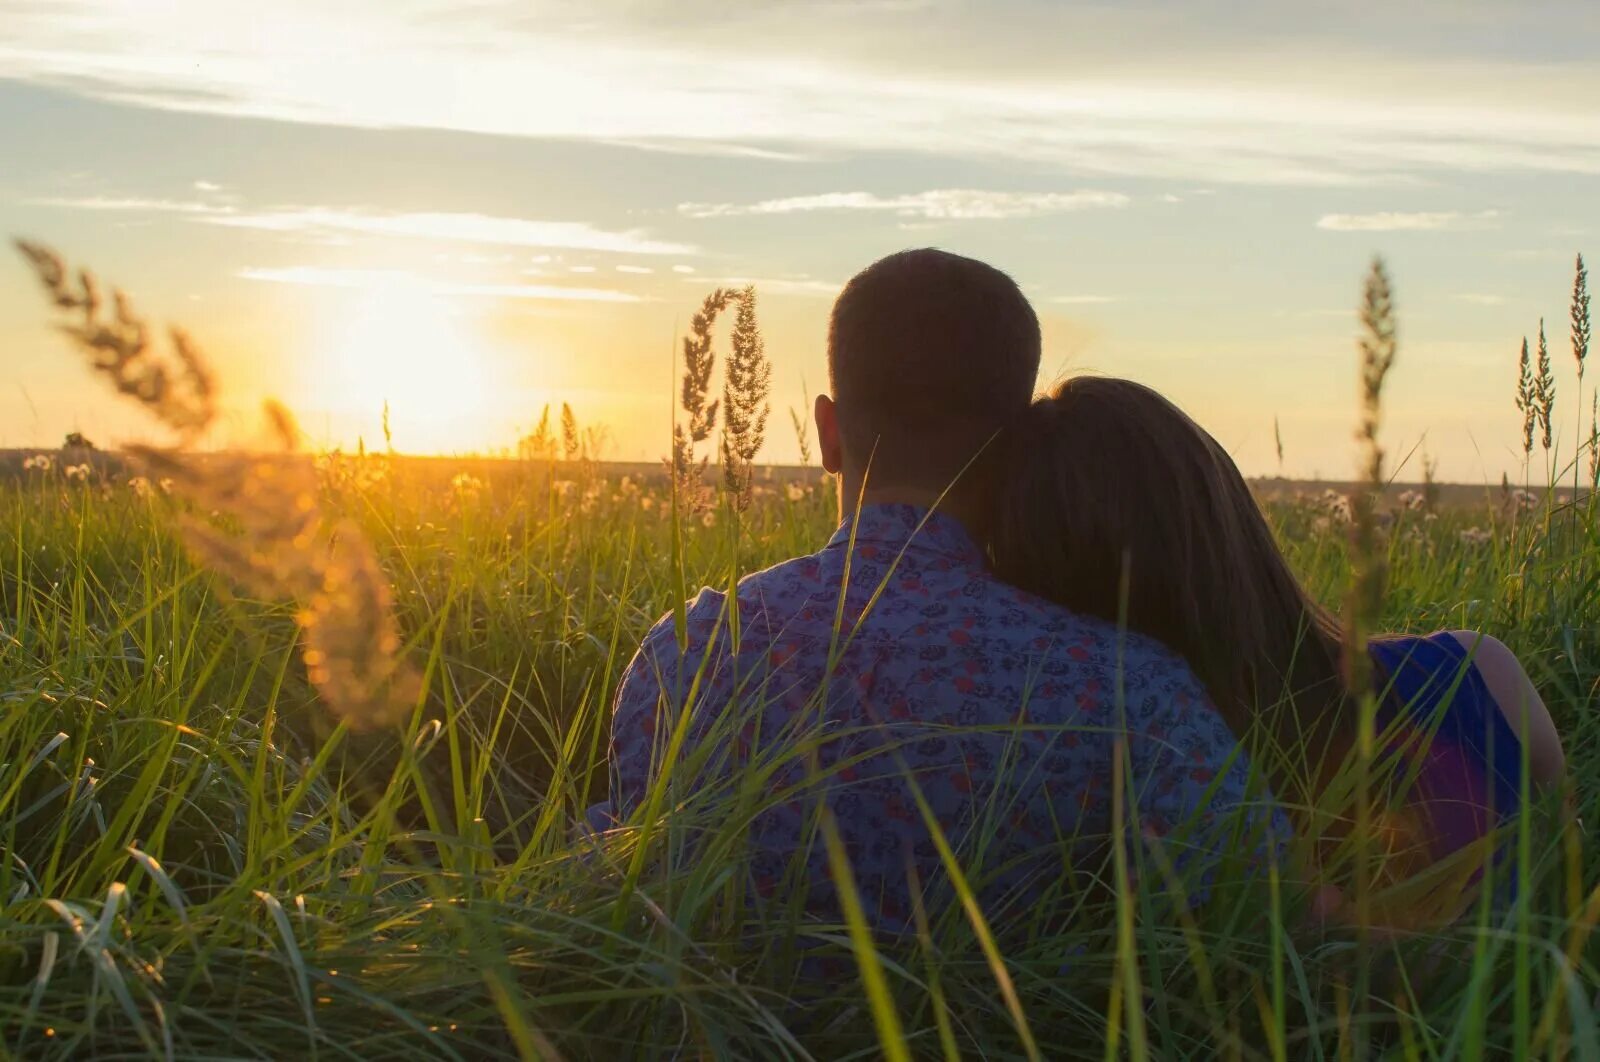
<point>828,441</point>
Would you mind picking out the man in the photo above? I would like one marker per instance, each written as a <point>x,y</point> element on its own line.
<point>889,675</point>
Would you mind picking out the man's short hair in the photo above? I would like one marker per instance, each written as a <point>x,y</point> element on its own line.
<point>929,355</point>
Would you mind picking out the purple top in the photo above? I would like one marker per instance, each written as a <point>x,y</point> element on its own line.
<point>928,674</point>
<point>1465,779</point>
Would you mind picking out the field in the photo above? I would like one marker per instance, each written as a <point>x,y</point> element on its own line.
<point>202,861</point>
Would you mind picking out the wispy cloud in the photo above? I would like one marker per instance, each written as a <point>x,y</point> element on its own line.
<point>940,204</point>
<point>1153,98</point>
<point>1083,300</point>
<point>425,225</point>
<point>1479,299</point>
<point>132,204</point>
<point>805,286</point>
<point>463,228</point>
<point>1404,221</point>
<point>319,276</point>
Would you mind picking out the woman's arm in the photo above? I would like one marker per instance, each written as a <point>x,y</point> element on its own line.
<point>1521,705</point>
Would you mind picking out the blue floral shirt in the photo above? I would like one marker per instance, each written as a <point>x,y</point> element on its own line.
<point>893,676</point>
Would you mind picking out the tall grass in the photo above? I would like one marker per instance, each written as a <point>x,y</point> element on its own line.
<point>199,860</point>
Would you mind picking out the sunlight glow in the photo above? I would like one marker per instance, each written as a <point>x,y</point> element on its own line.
<point>400,343</point>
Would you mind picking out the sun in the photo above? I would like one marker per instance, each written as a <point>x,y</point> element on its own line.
<point>402,344</point>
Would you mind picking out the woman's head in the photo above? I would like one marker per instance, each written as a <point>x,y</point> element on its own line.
<point>1119,505</point>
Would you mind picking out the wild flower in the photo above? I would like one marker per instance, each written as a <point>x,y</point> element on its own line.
<point>466,485</point>
<point>647,503</point>
<point>1524,500</point>
<point>1412,500</point>
<point>794,492</point>
<point>563,488</point>
<point>747,382</point>
<point>1475,536</point>
<point>38,463</point>
<point>166,484</point>
<point>77,473</point>
<point>140,485</point>
<point>1337,506</point>
<point>708,518</point>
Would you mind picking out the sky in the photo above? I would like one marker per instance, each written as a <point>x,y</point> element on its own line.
<point>470,209</point>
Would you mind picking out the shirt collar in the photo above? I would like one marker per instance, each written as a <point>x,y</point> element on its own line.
<point>896,526</point>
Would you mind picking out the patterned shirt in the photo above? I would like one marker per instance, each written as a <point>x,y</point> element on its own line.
<point>925,689</point>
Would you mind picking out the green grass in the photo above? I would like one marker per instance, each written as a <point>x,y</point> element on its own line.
<point>199,862</point>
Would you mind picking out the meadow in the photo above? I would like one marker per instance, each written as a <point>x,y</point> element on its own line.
<point>205,856</point>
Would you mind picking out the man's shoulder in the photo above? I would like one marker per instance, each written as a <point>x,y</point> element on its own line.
<point>787,584</point>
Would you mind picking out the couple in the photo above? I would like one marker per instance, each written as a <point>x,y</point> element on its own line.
<point>1036,615</point>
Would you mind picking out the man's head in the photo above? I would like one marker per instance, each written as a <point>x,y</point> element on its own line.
<point>929,355</point>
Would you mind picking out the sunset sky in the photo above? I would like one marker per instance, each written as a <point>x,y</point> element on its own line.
<point>471,209</point>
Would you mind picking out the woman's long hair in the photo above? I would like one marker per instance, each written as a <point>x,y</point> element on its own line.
<point>1115,503</point>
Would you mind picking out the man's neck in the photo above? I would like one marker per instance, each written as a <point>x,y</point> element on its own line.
<point>953,503</point>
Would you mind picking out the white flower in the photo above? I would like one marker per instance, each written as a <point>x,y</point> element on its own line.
<point>1525,500</point>
<point>77,472</point>
<point>1412,499</point>
<point>795,492</point>
<point>1475,536</point>
<point>140,486</point>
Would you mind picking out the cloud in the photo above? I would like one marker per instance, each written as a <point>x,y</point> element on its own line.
<point>132,205</point>
<point>1083,300</point>
<point>803,286</point>
<point>463,228</point>
<point>1089,89</point>
<point>423,225</point>
<point>942,204</point>
<point>319,276</point>
<point>1479,299</point>
<point>1401,221</point>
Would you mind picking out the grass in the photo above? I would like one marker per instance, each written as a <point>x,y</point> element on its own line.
<point>236,822</point>
<point>200,861</point>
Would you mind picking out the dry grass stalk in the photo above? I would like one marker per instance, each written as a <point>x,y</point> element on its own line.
<point>539,444</point>
<point>1580,318</point>
<point>1594,441</point>
<point>272,536</point>
<point>1525,399</point>
<point>178,389</point>
<point>571,438</point>
<point>698,363</point>
<point>747,383</point>
<point>1544,389</point>
<point>1368,572</point>
<point>802,435</point>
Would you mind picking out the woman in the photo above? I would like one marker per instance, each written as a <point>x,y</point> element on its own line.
<point>1119,505</point>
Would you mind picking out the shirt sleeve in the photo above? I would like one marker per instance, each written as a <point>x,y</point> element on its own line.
<point>1194,800</point>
